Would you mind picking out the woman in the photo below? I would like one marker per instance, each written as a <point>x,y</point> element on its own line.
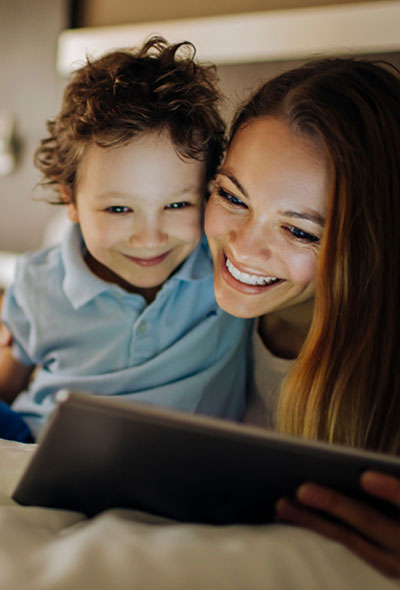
<point>303,228</point>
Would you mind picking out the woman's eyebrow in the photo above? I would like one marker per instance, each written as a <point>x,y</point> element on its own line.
<point>309,215</point>
<point>234,180</point>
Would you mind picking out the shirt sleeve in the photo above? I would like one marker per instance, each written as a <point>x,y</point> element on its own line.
<point>14,315</point>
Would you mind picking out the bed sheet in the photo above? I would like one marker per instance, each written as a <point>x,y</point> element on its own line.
<point>46,549</point>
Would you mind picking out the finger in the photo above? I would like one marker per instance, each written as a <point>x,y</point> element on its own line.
<point>294,513</point>
<point>382,486</point>
<point>371,523</point>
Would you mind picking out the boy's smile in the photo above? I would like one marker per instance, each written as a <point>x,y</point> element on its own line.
<point>149,261</point>
<point>140,207</point>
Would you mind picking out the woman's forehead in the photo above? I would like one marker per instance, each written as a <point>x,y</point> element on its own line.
<point>266,156</point>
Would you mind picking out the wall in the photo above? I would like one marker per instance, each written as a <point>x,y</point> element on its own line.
<point>115,12</point>
<point>237,82</point>
<point>31,90</point>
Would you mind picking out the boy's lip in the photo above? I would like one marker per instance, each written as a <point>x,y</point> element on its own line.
<point>148,261</point>
<point>243,287</point>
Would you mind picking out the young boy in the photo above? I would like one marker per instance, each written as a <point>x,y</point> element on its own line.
<point>125,305</point>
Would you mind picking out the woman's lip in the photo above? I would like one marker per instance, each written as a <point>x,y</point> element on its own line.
<point>243,287</point>
<point>242,268</point>
<point>148,261</point>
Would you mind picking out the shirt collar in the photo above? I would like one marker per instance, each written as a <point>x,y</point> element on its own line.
<point>80,285</point>
<point>197,266</point>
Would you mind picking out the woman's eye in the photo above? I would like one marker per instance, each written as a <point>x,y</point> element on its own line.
<point>229,197</point>
<point>178,205</point>
<point>301,235</point>
<point>118,209</point>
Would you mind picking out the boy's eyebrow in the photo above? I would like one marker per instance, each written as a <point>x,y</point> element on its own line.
<point>183,191</point>
<point>116,195</point>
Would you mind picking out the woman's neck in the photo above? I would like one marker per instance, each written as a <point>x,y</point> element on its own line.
<point>284,332</point>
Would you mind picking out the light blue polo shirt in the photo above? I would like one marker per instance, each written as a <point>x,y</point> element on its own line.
<point>82,333</point>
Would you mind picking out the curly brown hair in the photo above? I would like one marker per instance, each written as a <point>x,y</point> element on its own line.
<point>123,94</point>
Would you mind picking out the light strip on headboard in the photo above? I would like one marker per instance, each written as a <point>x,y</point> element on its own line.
<point>368,27</point>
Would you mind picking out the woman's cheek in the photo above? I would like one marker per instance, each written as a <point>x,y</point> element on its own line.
<point>304,266</point>
<point>215,222</point>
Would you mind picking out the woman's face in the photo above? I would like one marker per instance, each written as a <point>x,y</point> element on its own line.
<point>265,219</point>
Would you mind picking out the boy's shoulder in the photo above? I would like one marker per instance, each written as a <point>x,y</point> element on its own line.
<point>36,264</point>
<point>51,261</point>
<point>37,281</point>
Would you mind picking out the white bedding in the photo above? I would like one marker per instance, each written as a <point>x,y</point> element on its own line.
<point>45,549</point>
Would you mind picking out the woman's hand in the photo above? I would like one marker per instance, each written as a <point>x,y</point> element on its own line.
<point>371,535</point>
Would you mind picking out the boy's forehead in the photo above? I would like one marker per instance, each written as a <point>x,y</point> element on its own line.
<point>146,163</point>
<point>143,140</point>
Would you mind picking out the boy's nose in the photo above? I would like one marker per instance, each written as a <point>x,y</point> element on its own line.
<point>148,235</point>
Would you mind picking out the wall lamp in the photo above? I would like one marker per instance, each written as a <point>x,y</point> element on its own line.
<point>8,157</point>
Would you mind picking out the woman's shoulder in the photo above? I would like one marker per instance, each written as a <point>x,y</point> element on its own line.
<point>268,372</point>
<point>265,361</point>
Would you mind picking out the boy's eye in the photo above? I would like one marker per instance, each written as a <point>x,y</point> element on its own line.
<point>178,205</point>
<point>118,209</point>
<point>301,235</point>
<point>231,199</point>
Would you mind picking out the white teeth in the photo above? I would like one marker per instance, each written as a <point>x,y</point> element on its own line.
<point>243,277</point>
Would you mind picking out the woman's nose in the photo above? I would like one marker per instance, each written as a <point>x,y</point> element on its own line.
<point>252,240</point>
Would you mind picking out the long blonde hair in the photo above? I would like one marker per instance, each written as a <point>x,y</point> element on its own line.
<point>345,385</point>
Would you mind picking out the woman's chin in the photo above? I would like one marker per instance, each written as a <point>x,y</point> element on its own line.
<point>236,304</point>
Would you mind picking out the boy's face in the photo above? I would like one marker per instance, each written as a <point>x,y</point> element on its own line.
<point>140,210</point>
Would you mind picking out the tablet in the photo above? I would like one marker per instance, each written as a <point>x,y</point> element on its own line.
<point>100,452</point>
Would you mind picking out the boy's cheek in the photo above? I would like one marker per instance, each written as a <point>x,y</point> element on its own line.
<point>198,231</point>
<point>72,212</point>
<point>192,229</point>
<point>193,237</point>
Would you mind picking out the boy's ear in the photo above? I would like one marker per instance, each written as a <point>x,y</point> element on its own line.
<point>66,197</point>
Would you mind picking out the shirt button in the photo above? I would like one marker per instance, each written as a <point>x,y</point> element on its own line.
<point>142,328</point>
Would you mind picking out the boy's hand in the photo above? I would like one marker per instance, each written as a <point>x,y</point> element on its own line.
<point>14,376</point>
<point>371,535</point>
<point>5,336</point>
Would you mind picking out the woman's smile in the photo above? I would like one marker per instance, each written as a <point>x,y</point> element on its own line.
<point>247,283</point>
<point>249,278</point>
<point>264,220</point>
